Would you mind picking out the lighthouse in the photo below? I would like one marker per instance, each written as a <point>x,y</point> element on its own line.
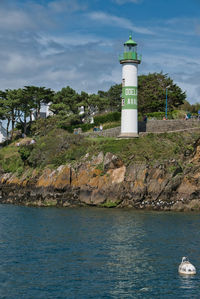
<point>129,61</point>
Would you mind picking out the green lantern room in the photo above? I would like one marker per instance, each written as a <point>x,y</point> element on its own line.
<point>130,51</point>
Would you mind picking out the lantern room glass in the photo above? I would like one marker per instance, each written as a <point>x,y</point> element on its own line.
<point>130,48</point>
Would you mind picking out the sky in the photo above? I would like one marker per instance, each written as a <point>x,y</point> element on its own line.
<point>56,43</point>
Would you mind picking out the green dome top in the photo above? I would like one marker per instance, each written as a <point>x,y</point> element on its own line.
<point>130,42</point>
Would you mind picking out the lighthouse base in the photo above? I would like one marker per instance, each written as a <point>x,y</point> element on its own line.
<point>128,135</point>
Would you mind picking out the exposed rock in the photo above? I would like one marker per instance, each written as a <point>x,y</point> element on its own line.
<point>111,161</point>
<point>117,175</point>
<point>106,181</point>
<point>85,195</point>
<point>98,159</point>
<point>98,197</point>
<point>193,205</point>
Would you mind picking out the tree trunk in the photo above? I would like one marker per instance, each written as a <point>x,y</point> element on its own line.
<point>13,126</point>
<point>7,130</point>
<point>31,119</point>
<point>38,111</point>
<point>25,125</point>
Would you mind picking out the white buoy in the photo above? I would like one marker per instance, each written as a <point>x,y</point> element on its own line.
<point>186,267</point>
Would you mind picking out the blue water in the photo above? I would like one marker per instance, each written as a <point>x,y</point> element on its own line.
<point>96,253</point>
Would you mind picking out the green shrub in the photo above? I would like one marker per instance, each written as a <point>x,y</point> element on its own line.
<point>25,152</point>
<point>99,119</point>
<point>20,171</point>
<point>111,125</point>
<point>159,115</point>
<point>178,114</point>
<point>110,204</point>
<point>108,117</point>
<point>12,164</point>
<point>56,148</point>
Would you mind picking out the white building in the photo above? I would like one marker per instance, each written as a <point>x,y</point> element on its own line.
<point>44,112</point>
<point>3,133</point>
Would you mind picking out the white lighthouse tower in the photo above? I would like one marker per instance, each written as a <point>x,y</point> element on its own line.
<point>129,61</point>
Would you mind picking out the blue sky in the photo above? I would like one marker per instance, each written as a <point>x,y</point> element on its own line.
<point>55,43</point>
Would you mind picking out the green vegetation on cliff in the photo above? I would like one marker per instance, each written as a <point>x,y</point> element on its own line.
<point>57,147</point>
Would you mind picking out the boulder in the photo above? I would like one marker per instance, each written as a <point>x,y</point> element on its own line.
<point>111,161</point>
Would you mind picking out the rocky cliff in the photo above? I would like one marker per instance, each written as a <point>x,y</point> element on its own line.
<point>106,181</point>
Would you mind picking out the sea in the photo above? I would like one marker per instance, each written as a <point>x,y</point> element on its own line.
<point>96,253</point>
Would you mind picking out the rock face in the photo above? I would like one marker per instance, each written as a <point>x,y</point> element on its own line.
<point>106,182</point>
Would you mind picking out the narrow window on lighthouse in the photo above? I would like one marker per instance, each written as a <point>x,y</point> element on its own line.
<point>123,102</point>
<point>123,82</point>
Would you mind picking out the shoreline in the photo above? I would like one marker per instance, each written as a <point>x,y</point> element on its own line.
<point>154,179</point>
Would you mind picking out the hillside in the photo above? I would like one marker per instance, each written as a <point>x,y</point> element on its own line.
<point>155,171</point>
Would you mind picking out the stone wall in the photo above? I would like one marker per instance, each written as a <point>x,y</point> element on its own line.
<point>152,126</point>
<point>170,125</point>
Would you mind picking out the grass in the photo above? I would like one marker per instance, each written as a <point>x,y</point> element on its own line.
<point>58,147</point>
<point>148,148</point>
<point>10,160</point>
<point>50,202</point>
<point>110,204</point>
<point>111,125</point>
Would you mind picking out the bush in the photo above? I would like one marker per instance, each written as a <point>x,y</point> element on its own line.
<point>99,119</point>
<point>108,117</point>
<point>25,152</point>
<point>12,164</point>
<point>53,148</point>
<point>178,114</point>
<point>159,115</point>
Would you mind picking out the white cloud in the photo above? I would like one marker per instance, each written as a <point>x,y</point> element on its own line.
<point>68,39</point>
<point>39,47</point>
<point>66,6</point>
<point>120,2</point>
<point>15,20</point>
<point>183,69</point>
<point>117,22</point>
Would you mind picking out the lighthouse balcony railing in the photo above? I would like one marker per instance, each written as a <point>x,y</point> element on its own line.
<point>130,55</point>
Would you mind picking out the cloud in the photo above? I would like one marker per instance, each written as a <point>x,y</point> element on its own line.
<point>68,39</point>
<point>66,6</point>
<point>197,29</point>
<point>14,20</point>
<point>32,17</point>
<point>120,2</point>
<point>117,22</point>
<point>183,69</point>
<point>55,62</point>
<point>44,45</point>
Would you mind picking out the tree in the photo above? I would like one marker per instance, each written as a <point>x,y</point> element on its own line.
<point>152,93</point>
<point>37,96</point>
<point>9,105</point>
<point>195,108</point>
<point>186,106</point>
<point>65,102</point>
<point>26,105</point>
<point>84,100</point>
<point>112,97</point>
<point>98,103</point>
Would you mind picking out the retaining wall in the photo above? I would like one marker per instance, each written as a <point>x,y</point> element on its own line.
<point>152,126</point>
